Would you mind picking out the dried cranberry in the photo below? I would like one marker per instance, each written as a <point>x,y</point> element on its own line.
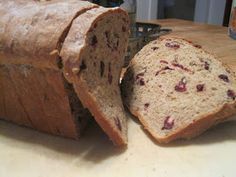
<point>168,123</point>
<point>95,25</point>
<point>109,78</point>
<point>224,77</point>
<point>206,65</point>
<point>200,87</point>
<point>163,61</point>
<point>155,48</point>
<point>158,72</point>
<point>109,74</point>
<point>117,44</point>
<point>102,68</point>
<point>146,105</point>
<point>163,69</point>
<point>197,46</point>
<point>181,86</point>
<point>172,45</point>
<point>168,68</point>
<point>117,123</point>
<point>94,41</point>
<point>180,66</point>
<point>82,65</point>
<point>231,94</point>
<point>106,34</point>
<point>141,82</point>
<point>59,62</point>
<point>138,76</point>
<point>190,41</point>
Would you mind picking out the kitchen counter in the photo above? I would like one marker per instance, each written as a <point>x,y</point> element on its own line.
<point>28,153</point>
<point>213,38</point>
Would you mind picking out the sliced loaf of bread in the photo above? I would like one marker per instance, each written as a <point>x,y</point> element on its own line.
<point>51,49</point>
<point>33,90</point>
<point>178,90</point>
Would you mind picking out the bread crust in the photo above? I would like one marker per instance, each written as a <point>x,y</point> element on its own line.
<point>33,88</point>
<point>31,32</point>
<point>71,57</point>
<point>90,102</point>
<point>196,128</point>
<point>36,99</point>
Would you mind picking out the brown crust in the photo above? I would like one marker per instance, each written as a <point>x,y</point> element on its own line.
<point>32,34</point>
<point>36,99</point>
<point>196,128</point>
<point>33,86</point>
<point>201,124</point>
<point>71,55</point>
<point>90,102</point>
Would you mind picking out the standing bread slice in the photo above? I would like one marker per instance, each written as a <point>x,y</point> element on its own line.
<point>33,90</point>
<point>93,57</point>
<point>177,90</point>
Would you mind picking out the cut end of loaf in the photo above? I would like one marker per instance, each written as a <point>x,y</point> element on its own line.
<point>93,65</point>
<point>177,90</point>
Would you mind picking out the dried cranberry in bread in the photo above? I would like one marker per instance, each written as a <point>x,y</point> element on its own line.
<point>93,57</point>
<point>177,90</point>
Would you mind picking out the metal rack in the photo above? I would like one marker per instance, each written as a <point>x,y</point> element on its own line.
<point>141,34</point>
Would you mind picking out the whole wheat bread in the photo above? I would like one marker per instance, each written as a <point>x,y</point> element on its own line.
<point>178,90</point>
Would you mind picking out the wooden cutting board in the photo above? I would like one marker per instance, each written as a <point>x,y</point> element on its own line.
<point>28,153</point>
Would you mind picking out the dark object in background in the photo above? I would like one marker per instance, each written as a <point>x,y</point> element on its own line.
<point>181,9</point>
<point>108,3</point>
<point>227,13</point>
<point>142,35</point>
<point>232,22</point>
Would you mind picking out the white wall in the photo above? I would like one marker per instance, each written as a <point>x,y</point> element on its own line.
<point>210,11</point>
<point>206,11</point>
<point>147,9</point>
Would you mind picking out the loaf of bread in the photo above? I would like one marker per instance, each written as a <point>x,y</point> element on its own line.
<point>47,55</point>
<point>178,90</point>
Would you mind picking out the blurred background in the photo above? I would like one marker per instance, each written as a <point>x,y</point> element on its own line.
<point>206,11</point>
<point>143,13</point>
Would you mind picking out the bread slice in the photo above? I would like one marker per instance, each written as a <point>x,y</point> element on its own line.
<point>178,90</point>
<point>93,57</point>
